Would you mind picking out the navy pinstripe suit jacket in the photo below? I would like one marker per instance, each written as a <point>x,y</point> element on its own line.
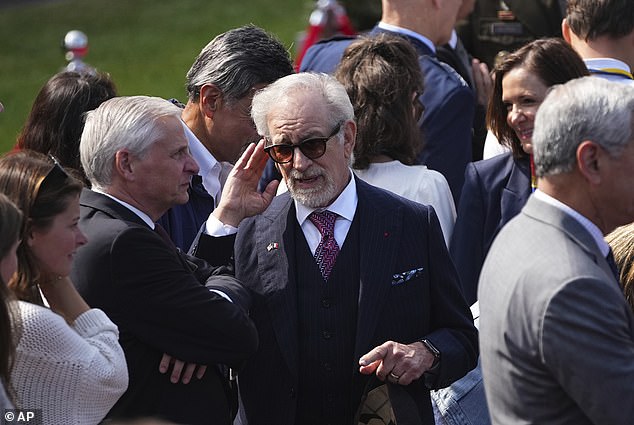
<point>396,236</point>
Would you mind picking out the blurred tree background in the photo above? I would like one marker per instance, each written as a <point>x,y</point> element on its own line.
<point>147,46</point>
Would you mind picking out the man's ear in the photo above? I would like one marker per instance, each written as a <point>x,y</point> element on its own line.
<point>591,161</point>
<point>124,165</point>
<point>210,99</point>
<point>565,30</point>
<point>349,137</point>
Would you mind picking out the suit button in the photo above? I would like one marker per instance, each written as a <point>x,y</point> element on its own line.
<point>326,335</point>
<point>327,367</point>
<point>292,393</point>
<point>325,302</point>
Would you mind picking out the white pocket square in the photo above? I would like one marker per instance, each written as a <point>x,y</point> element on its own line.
<point>403,277</point>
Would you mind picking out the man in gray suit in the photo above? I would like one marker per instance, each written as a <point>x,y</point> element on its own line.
<point>556,334</point>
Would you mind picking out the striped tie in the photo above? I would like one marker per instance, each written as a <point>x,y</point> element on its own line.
<point>327,250</point>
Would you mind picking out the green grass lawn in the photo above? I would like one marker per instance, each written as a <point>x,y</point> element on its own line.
<point>146,45</point>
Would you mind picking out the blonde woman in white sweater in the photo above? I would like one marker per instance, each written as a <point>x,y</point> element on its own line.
<point>68,360</point>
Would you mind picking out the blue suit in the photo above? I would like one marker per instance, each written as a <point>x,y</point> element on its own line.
<point>427,304</point>
<point>449,107</point>
<point>495,190</point>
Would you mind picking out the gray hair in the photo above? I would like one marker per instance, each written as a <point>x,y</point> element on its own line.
<point>331,91</point>
<point>120,123</point>
<point>237,60</point>
<point>588,108</point>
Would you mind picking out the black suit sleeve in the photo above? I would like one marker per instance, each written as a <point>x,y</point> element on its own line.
<point>166,307</point>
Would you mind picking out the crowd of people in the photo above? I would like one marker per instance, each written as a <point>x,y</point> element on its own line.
<point>328,246</point>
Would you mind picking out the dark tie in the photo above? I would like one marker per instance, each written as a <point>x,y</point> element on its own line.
<point>613,266</point>
<point>327,250</point>
<point>163,234</point>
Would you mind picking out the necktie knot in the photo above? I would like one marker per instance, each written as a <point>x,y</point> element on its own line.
<point>327,250</point>
<point>324,221</point>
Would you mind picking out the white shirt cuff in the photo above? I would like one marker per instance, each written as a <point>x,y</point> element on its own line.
<point>214,227</point>
<point>222,294</point>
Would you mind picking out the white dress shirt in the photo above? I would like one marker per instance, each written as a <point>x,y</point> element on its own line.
<point>210,168</point>
<point>344,206</point>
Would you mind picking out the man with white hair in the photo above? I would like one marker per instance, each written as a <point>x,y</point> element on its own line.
<point>136,156</point>
<point>556,333</point>
<point>350,281</point>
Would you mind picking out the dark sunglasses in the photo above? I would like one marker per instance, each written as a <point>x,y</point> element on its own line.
<point>55,175</point>
<point>312,148</point>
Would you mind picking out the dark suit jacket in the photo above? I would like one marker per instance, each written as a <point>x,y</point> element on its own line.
<point>158,299</point>
<point>449,107</point>
<point>495,190</point>
<point>396,236</point>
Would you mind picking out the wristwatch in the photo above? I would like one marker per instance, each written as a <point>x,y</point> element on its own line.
<point>430,376</point>
<point>434,351</point>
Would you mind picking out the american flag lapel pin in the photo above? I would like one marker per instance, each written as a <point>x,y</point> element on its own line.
<point>272,246</point>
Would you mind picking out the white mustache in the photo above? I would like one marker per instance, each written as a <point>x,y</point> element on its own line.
<point>298,175</point>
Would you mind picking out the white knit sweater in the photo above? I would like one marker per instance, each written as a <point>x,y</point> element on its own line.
<point>76,373</point>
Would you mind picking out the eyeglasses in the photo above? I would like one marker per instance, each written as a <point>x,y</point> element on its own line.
<point>311,148</point>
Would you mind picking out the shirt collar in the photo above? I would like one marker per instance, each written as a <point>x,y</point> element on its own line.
<point>592,228</point>
<point>453,41</point>
<point>609,65</point>
<point>209,166</point>
<point>345,205</point>
<point>143,216</point>
<point>409,33</point>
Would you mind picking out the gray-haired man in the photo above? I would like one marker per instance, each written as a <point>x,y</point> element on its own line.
<point>556,333</point>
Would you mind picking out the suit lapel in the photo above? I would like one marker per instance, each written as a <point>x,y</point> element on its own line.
<point>103,203</point>
<point>276,256</point>
<point>516,191</point>
<point>378,248</point>
<point>112,208</point>
<point>571,227</point>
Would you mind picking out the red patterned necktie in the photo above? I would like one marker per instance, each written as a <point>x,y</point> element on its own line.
<point>327,250</point>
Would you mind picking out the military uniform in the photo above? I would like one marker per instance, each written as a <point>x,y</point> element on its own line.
<point>503,26</point>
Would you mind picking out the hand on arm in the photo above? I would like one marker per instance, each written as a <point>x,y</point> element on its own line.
<point>177,369</point>
<point>401,363</point>
<point>240,197</point>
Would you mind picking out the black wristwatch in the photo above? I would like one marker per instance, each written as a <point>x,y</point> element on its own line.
<point>430,377</point>
<point>435,352</point>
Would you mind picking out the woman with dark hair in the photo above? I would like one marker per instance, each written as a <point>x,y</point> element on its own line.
<point>384,82</point>
<point>10,225</point>
<point>56,120</point>
<point>68,360</point>
<point>496,189</point>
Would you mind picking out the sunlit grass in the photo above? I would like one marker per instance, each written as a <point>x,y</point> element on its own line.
<point>146,45</point>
